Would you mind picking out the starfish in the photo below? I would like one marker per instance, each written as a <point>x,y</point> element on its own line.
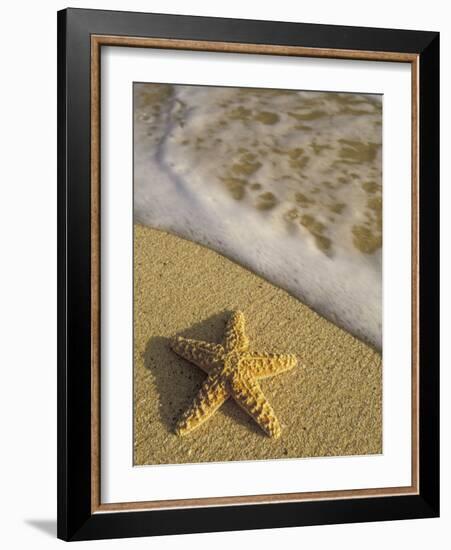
<point>233,371</point>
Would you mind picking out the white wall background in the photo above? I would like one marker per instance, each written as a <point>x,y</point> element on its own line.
<point>28,271</point>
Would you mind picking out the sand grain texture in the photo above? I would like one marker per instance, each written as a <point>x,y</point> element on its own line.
<point>329,405</point>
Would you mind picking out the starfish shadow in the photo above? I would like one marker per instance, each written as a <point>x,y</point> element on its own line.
<point>177,381</point>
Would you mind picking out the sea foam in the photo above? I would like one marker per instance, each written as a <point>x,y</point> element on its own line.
<point>286,183</point>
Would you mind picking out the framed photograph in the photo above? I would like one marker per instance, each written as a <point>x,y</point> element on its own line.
<point>248,274</point>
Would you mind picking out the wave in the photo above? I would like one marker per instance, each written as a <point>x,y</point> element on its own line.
<point>287,183</point>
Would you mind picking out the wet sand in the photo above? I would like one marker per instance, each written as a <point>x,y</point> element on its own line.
<point>329,405</point>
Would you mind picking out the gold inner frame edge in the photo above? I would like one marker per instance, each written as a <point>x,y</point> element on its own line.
<point>97,41</point>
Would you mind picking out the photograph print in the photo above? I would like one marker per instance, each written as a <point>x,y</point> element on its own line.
<point>257,274</point>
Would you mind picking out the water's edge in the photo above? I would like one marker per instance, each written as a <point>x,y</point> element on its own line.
<point>288,184</point>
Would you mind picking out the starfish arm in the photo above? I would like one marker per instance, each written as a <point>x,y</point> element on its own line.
<point>235,336</point>
<point>211,396</point>
<point>202,354</point>
<point>261,365</point>
<point>248,394</point>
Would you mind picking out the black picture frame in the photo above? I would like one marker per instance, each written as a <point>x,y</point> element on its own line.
<point>76,519</point>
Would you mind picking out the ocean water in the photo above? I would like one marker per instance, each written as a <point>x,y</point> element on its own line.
<point>287,183</point>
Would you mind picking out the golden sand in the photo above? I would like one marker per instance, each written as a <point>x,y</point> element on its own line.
<point>329,405</point>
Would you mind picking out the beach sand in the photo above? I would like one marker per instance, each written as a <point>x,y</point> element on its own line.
<point>329,405</point>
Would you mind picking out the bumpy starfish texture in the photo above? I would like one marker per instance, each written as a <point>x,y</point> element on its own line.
<point>233,371</point>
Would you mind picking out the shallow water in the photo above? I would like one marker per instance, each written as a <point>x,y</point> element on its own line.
<point>286,183</point>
